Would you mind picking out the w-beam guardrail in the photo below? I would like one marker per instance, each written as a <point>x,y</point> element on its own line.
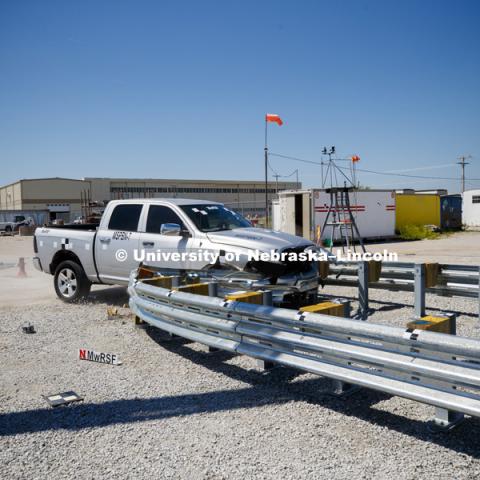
<point>447,280</point>
<point>433,368</point>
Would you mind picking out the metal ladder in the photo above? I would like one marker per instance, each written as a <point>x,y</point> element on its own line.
<point>342,218</point>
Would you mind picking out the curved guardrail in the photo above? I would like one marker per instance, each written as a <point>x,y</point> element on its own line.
<point>433,368</point>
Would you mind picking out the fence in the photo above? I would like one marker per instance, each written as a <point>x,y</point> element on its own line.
<point>433,368</point>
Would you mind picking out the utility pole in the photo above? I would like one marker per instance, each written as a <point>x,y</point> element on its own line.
<point>462,163</point>
<point>276,182</point>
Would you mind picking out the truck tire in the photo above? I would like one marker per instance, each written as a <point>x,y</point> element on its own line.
<point>71,283</point>
<point>8,229</point>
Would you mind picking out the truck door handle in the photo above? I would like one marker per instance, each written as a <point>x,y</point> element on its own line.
<point>105,239</point>
<point>148,244</point>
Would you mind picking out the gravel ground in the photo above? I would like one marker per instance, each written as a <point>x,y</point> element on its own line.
<point>172,410</point>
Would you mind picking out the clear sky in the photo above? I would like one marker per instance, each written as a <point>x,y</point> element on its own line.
<point>179,89</point>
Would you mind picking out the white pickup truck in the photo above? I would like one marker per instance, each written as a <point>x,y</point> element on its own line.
<point>171,235</point>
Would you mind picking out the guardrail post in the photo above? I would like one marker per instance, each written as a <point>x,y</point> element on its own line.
<point>419,286</point>
<point>363,290</point>
<point>213,289</point>
<point>213,292</point>
<point>267,300</point>
<point>446,419</point>
<point>443,418</point>
<point>343,389</point>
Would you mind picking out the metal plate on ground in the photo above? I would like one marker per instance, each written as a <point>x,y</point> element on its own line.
<point>62,398</point>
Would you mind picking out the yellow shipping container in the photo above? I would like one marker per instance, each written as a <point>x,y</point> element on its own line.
<point>417,210</point>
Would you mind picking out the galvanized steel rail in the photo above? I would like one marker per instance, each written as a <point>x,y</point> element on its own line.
<point>433,368</point>
<point>453,281</point>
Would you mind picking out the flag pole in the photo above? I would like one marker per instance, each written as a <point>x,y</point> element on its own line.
<point>266,174</point>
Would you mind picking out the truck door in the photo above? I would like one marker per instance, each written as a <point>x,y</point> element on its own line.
<point>164,251</point>
<point>115,245</point>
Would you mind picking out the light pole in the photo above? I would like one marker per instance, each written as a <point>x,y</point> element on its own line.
<point>462,163</point>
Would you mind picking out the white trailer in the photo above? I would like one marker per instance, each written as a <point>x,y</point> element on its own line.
<point>303,212</point>
<point>471,209</point>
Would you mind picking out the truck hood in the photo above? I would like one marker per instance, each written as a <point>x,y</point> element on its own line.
<point>258,239</point>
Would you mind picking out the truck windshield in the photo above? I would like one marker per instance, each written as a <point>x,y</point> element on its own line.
<point>214,218</point>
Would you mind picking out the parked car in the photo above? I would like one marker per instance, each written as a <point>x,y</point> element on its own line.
<point>15,224</point>
<point>80,255</point>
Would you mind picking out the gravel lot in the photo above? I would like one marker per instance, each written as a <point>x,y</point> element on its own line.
<point>172,410</point>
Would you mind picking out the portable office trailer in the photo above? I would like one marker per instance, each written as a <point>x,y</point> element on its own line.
<point>303,212</point>
<point>451,211</point>
<point>471,209</point>
<point>417,209</point>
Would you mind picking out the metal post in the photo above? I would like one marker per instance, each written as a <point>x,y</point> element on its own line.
<point>213,289</point>
<point>363,290</point>
<point>419,285</point>
<point>267,298</point>
<point>213,292</point>
<point>266,175</point>
<point>444,419</point>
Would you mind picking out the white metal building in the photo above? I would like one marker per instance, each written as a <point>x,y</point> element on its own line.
<point>301,212</point>
<point>471,209</point>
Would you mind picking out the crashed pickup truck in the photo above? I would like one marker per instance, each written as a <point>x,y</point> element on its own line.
<point>173,236</point>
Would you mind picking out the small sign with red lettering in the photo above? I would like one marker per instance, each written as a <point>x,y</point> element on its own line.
<point>99,357</point>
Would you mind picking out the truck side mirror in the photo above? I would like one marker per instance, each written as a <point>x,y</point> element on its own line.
<point>170,229</point>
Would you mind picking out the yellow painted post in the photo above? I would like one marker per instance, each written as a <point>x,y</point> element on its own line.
<point>161,281</point>
<point>434,324</point>
<point>326,308</point>
<point>374,270</point>
<point>246,297</point>
<point>144,272</point>
<point>323,269</point>
<point>432,271</point>
<point>197,288</point>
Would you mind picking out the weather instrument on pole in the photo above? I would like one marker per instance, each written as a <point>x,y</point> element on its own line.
<point>340,218</point>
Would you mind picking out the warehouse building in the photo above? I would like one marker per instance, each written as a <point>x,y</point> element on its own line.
<point>62,197</point>
<point>247,197</point>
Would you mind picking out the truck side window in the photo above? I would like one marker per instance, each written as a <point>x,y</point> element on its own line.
<point>158,214</point>
<point>125,217</point>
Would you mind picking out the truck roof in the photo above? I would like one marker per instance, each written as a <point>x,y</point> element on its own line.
<point>174,201</point>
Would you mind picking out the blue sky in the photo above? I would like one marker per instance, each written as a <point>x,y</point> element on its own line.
<point>179,89</point>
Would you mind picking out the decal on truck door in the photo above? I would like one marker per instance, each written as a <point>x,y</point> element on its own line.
<point>121,235</point>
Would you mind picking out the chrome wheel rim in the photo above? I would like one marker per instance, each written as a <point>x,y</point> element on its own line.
<point>67,282</point>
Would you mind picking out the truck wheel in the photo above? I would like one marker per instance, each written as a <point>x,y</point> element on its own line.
<point>71,283</point>
<point>8,229</point>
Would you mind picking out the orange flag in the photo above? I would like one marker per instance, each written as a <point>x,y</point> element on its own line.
<point>272,117</point>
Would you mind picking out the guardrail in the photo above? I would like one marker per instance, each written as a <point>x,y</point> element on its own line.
<point>433,368</point>
<point>446,280</point>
